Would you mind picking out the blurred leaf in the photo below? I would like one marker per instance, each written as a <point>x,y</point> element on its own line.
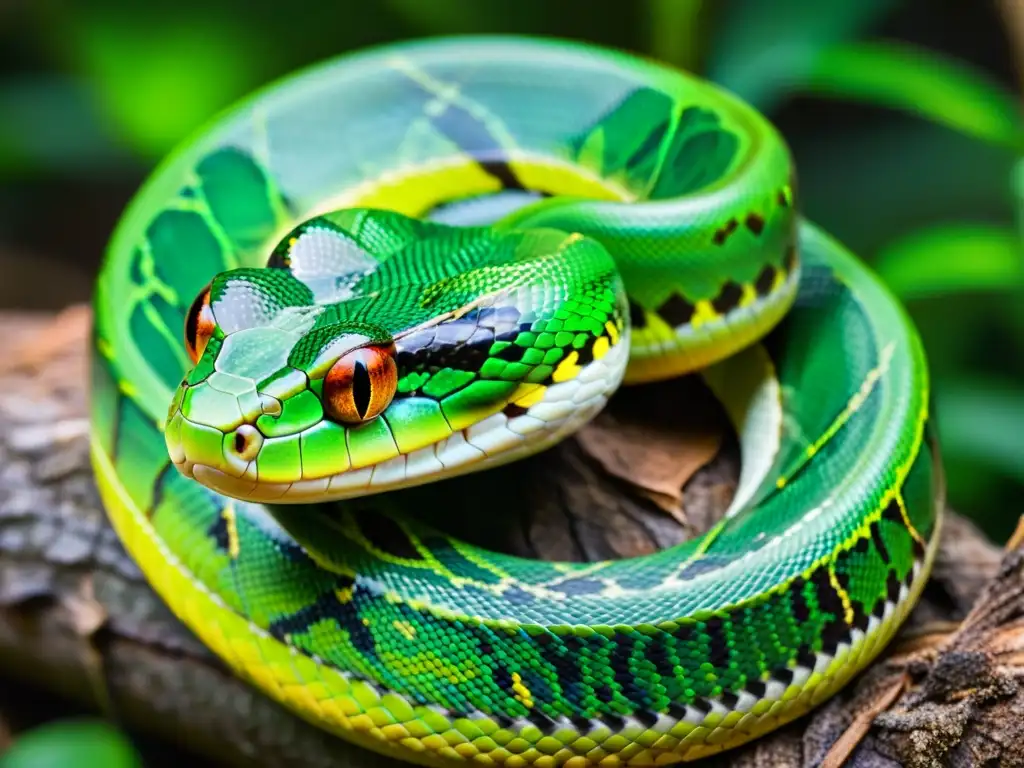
<point>158,79</point>
<point>51,124</point>
<point>675,28</point>
<point>759,50</point>
<point>983,420</point>
<point>949,258</point>
<point>922,82</point>
<point>869,188</point>
<point>448,16</point>
<point>71,742</point>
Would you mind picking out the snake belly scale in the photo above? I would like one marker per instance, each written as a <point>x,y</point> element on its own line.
<point>432,258</point>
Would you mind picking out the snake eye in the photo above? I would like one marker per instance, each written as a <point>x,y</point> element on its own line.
<point>199,325</point>
<point>361,384</point>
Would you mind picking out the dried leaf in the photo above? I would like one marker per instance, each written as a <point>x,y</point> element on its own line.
<point>657,443</point>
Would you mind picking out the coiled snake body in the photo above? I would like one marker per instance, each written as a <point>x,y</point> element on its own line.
<point>433,258</point>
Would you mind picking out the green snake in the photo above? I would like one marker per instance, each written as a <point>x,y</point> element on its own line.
<point>432,258</point>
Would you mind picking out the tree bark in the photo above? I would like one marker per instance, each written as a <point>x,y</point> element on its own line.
<point>78,619</point>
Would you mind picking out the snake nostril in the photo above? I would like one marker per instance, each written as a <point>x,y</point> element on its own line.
<point>247,442</point>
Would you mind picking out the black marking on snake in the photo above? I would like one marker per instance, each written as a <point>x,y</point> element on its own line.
<point>729,699</point>
<point>646,717</point>
<point>828,597</point>
<point>798,601</point>
<point>879,542</point>
<point>615,722</point>
<point>893,513</point>
<point>637,315</point>
<point>782,199</point>
<point>728,298</point>
<point>162,478</point>
<point>619,661</point>
<point>683,633</point>
<point>385,534</point>
<point>464,343</point>
<point>719,653</point>
<point>860,616</point>
<point>502,171</point>
<point>660,655</point>
<point>755,223</point>
<point>676,310</point>
<point>836,631</point>
<point>756,688</point>
<point>218,531</point>
<point>722,233</point>
<point>514,409</point>
<point>292,551</point>
<point>765,280</point>
<point>513,353</point>
<point>783,675</point>
<point>790,259</point>
<point>805,657</point>
<point>582,724</point>
<point>702,704</point>
<point>585,354</point>
<point>562,654</point>
<point>472,136</point>
<point>878,611</point>
<point>908,580</point>
<point>503,720</point>
<point>604,693</point>
<point>328,607</point>
<point>676,710</point>
<point>892,586</point>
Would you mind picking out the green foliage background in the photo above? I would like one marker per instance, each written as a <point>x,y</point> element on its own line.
<point>917,168</point>
<point>908,147</point>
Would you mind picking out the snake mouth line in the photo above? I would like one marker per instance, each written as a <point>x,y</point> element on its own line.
<point>498,439</point>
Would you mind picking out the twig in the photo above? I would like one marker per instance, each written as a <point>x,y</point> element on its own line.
<point>852,736</point>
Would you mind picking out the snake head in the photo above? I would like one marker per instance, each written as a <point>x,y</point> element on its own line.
<point>402,371</point>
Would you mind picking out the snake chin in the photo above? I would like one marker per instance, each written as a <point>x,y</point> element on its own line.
<point>500,438</point>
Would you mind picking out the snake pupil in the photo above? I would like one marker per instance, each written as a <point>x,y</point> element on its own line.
<point>361,388</point>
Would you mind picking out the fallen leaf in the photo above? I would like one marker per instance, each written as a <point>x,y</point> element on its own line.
<point>656,437</point>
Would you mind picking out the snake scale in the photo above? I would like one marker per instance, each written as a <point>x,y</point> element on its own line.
<point>431,258</point>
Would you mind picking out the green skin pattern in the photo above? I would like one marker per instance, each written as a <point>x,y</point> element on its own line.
<point>530,223</point>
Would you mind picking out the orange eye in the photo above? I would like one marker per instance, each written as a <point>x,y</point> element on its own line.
<point>361,384</point>
<point>199,325</point>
